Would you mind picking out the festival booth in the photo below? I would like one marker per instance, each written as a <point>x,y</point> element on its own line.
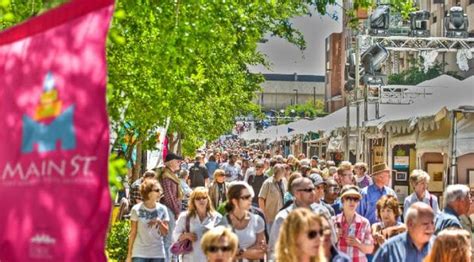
<point>419,135</point>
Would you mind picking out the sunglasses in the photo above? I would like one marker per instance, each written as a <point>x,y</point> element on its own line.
<point>315,233</point>
<point>215,249</point>
<point>307,190</point>
<point>247,197</point>
<point>355,199</point>
<point>200,198</point>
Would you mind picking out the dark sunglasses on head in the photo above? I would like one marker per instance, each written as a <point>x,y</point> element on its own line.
<point>201,198</point>
<point>312,234</point>
<point>307,190</point>
<point>215,249</point>
<point>355,199</point>
<point>247,197</point>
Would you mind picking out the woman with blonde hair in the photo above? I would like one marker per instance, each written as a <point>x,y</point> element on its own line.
<point>451,245</point>
<point>419,180</point>
<point>199,218</point>
<point>300,238</point>
<point>218,188</point>
<point>219,244</point>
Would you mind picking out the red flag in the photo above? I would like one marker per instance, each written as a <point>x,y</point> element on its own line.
<point>54,135</point>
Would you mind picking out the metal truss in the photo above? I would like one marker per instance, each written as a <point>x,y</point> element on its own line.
<point>439,44</point>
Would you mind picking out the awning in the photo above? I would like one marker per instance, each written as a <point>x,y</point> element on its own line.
<point>465,135</point>
<point>435,140</point>
<point>404,139</point>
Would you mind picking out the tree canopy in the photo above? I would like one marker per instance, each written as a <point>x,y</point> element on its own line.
<point>187,60</point>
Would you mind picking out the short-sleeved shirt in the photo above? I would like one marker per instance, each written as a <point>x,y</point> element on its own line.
<point>429,199</point>
<point>198,175</point>
<point>232,172</point>
<point>256,183</point>
<point>149,241</point>
<point>197,227</point>
<point>211,167</point>
<point>362,231</point>
<point>401,248</point>
<point>282,215</point>
<point>370,196</point>
<point>248,235</point>
<point>273,192</point>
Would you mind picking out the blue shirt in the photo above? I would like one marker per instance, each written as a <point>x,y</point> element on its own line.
<point>211,167</point>
<point>447,218</point>
<point>337,206</point>
<point>370,196</point>
<point>401,248</point>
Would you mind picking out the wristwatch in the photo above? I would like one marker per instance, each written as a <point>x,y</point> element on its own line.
<point>241,252</point>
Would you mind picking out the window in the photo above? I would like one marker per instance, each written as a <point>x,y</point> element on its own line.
<point>436,18</point>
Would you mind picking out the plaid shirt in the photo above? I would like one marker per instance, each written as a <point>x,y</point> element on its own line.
<point>362,232</point>
<point>135,192</point>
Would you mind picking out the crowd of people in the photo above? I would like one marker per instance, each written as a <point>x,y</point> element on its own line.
<point>243,204</point>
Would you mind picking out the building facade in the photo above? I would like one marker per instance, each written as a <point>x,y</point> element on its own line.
<point>282,90</point>
<point>335,63</point>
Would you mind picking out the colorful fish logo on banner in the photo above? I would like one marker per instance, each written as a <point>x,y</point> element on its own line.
<point>54,135</point>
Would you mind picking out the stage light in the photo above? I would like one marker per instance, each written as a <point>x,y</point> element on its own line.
<point>373,58</point>
<point>419,23</point>
<point>380,20</point>
<point>456,23</point>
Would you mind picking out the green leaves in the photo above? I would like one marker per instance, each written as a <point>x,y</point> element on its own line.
<point>187,60</point>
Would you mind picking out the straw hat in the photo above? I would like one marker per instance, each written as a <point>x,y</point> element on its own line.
<point>350,191</point>
<point>376,169</point>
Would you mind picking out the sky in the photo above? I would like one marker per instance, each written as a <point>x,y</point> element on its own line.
<point>286,58</point>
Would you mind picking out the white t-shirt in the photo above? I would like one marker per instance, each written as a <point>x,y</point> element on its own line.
<point>149,241</point>
<point>248,235</point>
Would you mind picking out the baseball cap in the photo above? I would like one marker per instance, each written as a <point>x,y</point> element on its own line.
<point>172,156</point>
<point>317,179</point>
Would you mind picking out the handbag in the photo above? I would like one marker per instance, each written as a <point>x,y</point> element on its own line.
<point>185,246</point>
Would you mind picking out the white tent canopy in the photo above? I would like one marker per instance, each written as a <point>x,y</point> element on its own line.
<point>445,92</point>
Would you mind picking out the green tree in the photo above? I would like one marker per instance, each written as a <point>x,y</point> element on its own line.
<point>306,110</point>
<point>197,72</point>
<point>416,74</point>
<point>184,60</point>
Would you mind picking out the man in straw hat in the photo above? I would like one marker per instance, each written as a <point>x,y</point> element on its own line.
<point>372,194</point>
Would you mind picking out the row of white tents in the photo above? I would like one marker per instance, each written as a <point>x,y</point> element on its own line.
<point>442,94</point>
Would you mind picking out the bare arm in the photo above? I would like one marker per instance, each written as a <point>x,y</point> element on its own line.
<point>131,240</point>
<point>257,250</point>
<point>261,204</point>
<point>163,227</point>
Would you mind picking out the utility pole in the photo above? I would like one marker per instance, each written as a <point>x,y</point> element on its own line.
<point>314,96</point>
<point>356,97</point>
<point>348,125</point>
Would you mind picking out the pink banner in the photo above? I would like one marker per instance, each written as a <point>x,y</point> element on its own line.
<point>54,136</point>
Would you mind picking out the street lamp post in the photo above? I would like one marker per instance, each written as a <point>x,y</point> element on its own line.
<point>296,100</point>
